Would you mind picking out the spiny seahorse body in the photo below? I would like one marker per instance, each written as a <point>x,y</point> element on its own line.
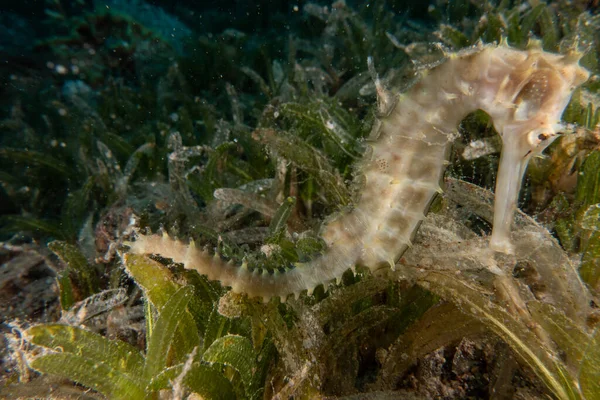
<point>524,92</point>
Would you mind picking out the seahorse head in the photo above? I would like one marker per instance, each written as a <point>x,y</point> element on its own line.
<point>531,90</point>
<point>526,93</point>
<point>545,92</point>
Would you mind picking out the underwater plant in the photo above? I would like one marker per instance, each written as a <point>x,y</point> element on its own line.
<point>251,166</point>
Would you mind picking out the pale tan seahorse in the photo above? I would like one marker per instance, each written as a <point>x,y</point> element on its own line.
<point>524,92</point>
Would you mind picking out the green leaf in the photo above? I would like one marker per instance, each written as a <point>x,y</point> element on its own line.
<point>309,159</point>
<point>574,109</point>
<point>164,330</point>
<point>77,263</point>
<point>588,187</point>
<point>226,246</point>
<point>258,80</point>
<point>279,221</point>
<point>588,218</point>
<point>216,327</point>
<point>70,255</point>
<point>158,284</point>
<point>308,247</point>
<point>336,127</point>
<point>15,223</point>
<point>589,270</point>
<point>30,157</point>
<point>150,317</point>
<point>206,293</point>
<point>236,352</point>
<point>201,378</point>
<point>115,354</point>
<point>92,373</point>
<point>588,116</point>
<point>452,36</point>
<point>65,290</point>
<point>76,208</point>
<point>513,31</point>
<point>264,360</point>
<point>120,146</point>
<point>589,377</point>
<point>9,179</point>
<point>165,378</point>
<point>221,167</point>
<point>490,30</point>
<point>530,19</point>
<point>547,23</point>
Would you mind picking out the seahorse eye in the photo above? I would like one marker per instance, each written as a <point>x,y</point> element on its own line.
<point>533,96</point>
<point>540,137</point>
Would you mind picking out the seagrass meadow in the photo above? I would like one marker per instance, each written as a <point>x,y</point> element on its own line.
<point>188,207</point>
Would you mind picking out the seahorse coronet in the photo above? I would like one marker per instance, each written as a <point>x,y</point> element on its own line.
<point>525,93</point>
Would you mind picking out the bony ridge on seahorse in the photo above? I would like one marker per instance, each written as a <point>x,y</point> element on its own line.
<point>524,92</point>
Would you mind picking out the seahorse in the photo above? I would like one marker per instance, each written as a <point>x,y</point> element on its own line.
<point>525,93</point>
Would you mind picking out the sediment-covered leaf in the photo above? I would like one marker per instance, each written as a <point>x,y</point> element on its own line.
<point>472,300</point>
<point>568,336</point>
<point>589,377</point>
